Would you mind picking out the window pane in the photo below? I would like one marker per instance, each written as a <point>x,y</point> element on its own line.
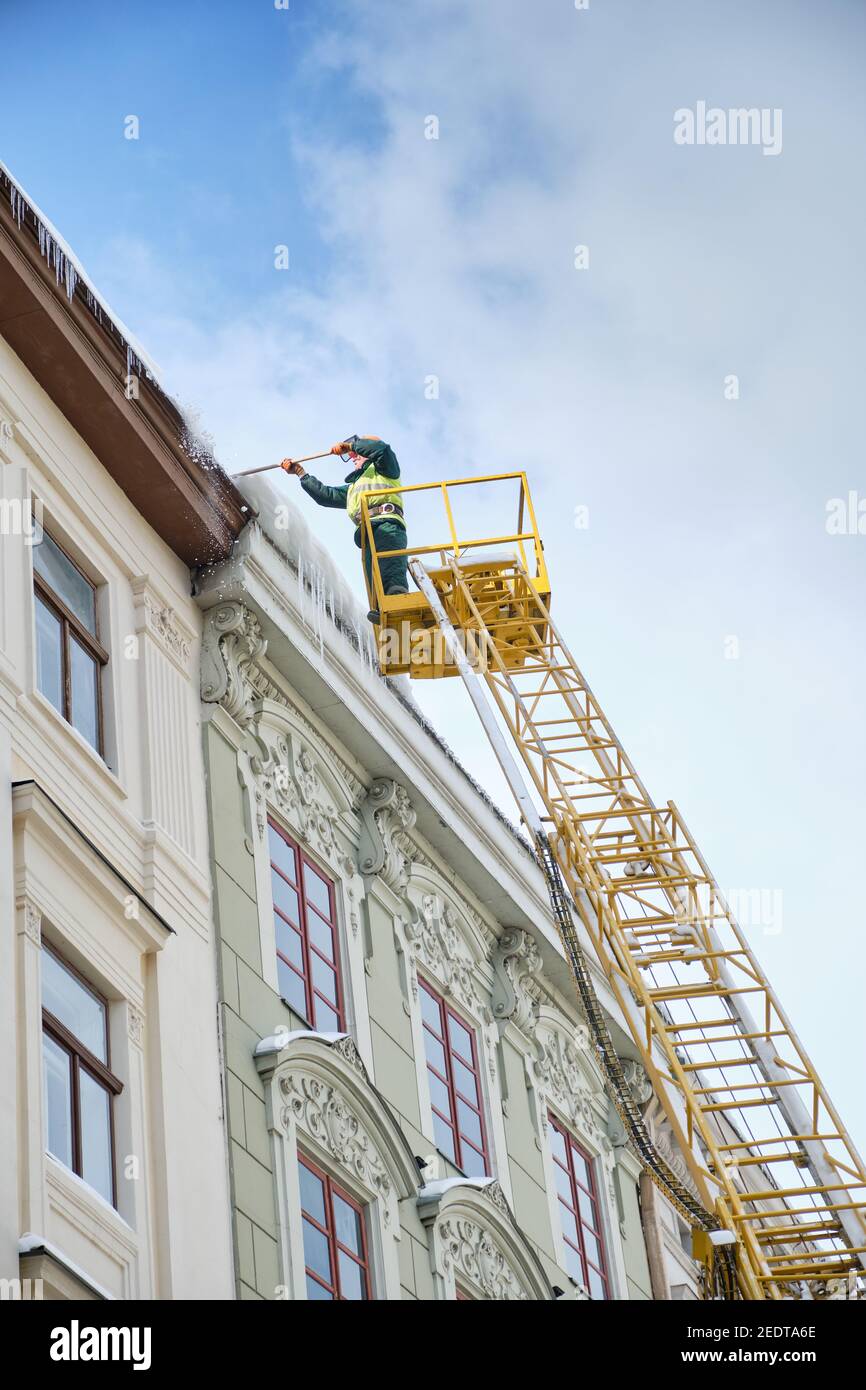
<point>95,1135</point>
<point>282,854</point>
<point>326,1020</point>
<point>292,988</point>
<point>84,675</point>
<point>49,662</point>
<point>473,1163</point>
<point>315,1290</point>
<point>320,934</point>
<point>586,1208</point>
<point>312,1194</point>
<point>351,1278</point>
<point>435,1052</point>
<point>430,1011</point>
<point>444,1137</point>
<point>316,1255</point>
<point>289,942</point>
<point>568,1223</point>
<point>317,891</point>
<point>57,1100</point>
<point>64,996</point>
<point>324,978</point>
<point>574,1264</point>
<point>347,1224</point>
<point>67,582</point>
<point>469,1123</point>
<point>581,1171</point>
<point>591,1248</point>
<point>439,1096</point>
<point>596,1284</point>
<point>461,1039</point>
<point>464,1080</point>
<point>286,899</point>
<point>563,1183</point>
<point>557,1144</point>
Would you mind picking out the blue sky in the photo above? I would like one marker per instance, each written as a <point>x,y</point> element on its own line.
<point>454,257</point>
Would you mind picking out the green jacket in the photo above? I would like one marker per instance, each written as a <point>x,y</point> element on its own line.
<point>383,459</point>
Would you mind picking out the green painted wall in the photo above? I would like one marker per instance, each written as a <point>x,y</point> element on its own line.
<point>250,1010</point>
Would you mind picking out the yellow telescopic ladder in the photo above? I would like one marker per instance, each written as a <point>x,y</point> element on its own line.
<point>781,1188</point>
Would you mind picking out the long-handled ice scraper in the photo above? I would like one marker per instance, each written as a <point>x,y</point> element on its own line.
<point>267,467</point>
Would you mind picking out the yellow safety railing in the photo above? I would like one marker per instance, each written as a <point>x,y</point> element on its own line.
<point>524,536</point>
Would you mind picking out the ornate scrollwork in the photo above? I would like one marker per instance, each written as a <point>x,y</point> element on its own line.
<point>322,1111</point>
<point>436,941</point>
<point>387,847</point>
<point>232,642</point>
<point>471,1253</point>
<point>516,961</point>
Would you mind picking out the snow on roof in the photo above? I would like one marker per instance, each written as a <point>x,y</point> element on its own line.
<point>69,270</point>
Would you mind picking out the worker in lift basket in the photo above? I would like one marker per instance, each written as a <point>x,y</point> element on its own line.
<point>374,469</point>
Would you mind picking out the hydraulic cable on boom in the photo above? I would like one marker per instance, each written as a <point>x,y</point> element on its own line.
<point>778,1194</point>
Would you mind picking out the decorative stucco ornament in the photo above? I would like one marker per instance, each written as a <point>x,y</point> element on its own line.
<point>516,961</point>
<point>437,943</point>
<point>231,642</point>
<point>471,1253</point>
<point>387,848</point>
<point>322,1111</point>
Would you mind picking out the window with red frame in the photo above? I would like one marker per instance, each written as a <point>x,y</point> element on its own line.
<point>455,1085</point>
<point>305,925</point>
<point>579,1212</point>
<point>335,1239</point>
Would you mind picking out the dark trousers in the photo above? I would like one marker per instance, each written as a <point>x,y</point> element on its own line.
<point>390,535</point>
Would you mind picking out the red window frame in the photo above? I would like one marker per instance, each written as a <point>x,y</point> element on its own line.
<point>332,1189</point>
<point>576,1208</point>
<point>302,929</point>
<point>461,1140</point>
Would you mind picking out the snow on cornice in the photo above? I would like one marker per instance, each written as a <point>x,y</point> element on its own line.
<point>331,600</point>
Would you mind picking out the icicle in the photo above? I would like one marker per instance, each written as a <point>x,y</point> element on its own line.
<point>17,204</point>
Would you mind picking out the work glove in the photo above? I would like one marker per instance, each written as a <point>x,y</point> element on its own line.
<point>294,468</point>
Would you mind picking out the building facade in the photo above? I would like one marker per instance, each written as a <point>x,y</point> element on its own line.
<point>413,1108</point>
<point>113,1169</point>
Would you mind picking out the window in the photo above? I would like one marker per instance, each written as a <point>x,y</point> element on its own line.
<point>78,1086</point>
<point>68,654</point>
<point>455,1089</point>
<point>305,923</point>
<point>335,1239</point>
<point>579,1212</point>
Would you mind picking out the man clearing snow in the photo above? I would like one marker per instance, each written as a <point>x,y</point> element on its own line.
<point>374,469</point>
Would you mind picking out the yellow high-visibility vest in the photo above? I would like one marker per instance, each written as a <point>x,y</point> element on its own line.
<point>388,490</point>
